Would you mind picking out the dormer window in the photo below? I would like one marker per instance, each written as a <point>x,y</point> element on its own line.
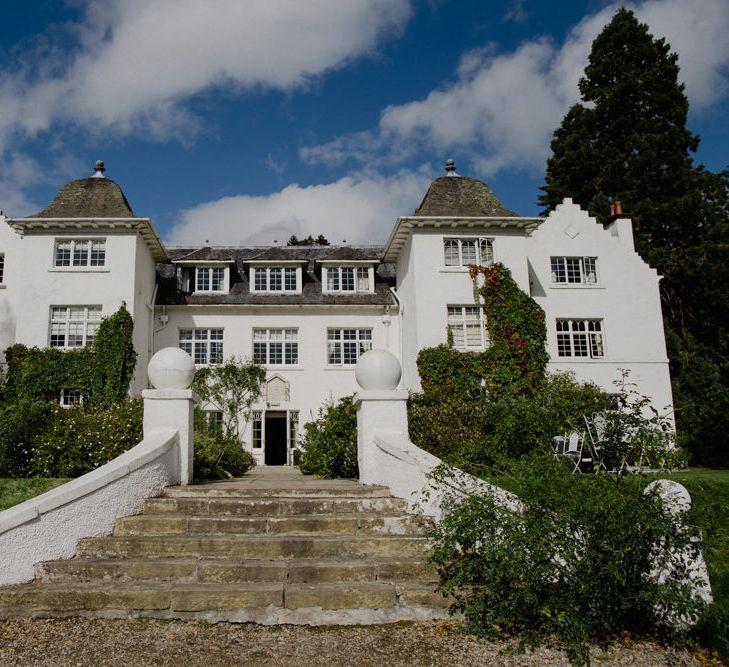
<point>80,253</point>
<point>210,279</point>
<point>349,279</point>
<point>465,251</point>
<point>278,279</point>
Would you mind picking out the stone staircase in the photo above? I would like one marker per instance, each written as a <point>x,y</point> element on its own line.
<point>273,547</point>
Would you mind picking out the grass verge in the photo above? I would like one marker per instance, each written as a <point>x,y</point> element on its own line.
<point>14,491</point>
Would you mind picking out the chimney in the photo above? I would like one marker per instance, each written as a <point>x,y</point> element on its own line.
<point>620,225</point>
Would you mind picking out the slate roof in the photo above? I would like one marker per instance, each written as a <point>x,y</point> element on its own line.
<point>88,198</point>
<point>240,293</point>
<point>455,196</point>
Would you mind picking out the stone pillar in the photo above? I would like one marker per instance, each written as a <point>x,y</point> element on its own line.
<point>380,406</point>
<point>169,407</point>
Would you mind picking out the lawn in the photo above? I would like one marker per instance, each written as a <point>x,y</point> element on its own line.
<point>710,492</point>
<point>14,491</point>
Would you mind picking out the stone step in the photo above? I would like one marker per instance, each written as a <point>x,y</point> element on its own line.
<point>173,524</point>
<point>319,489</point>
<point>254,546</point>
<point>227,571</point>
<point>260,602</point>
<point>270,506</point>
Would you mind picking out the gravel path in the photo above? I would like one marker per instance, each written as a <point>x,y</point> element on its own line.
<point>78,642</point>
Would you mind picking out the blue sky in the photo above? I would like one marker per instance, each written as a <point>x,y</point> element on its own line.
<point>245,121</point>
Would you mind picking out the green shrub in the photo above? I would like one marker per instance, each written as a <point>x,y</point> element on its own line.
<point>330,443</point>
<point>445,370</point>
<point>81,439</point>
<point>219,456</point>
<point>479,432</point>
<point>576,564</point>
<point>20,423</point>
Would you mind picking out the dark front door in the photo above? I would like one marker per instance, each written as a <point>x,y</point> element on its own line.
<point>275,439</point>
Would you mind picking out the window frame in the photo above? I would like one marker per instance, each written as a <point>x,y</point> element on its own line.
<point>282,280</point>
<point>70,397</point>
<point>75,249</point>
<point>210,270</point>
<point>580,338</point>
<point>361,343</point>
<point>460,264</point>
<point>563,275</point>
<point>463,324</point>
<point>2,268</point>
<point>288,345</point>
<point>358,270</point>
<point>90,325</point>
<point>214,347</point>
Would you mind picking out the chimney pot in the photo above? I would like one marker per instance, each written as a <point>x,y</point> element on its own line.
<point>618,207</point>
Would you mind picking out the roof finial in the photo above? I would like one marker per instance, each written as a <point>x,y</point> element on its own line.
<point>450,168</point>
<point>99,170</point>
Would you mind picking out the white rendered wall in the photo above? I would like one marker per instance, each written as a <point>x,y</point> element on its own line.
<point>626,299</point>
<point>312,382</point>
<point>11,287</point>
<point>35,284</point>
<point>426,286</point>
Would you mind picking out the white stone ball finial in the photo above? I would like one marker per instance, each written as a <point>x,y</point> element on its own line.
<point>379,370</point>
<point>171,368</point>
<point>675,497</point>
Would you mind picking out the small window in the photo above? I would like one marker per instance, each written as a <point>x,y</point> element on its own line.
<point>205,346</point>
<point>580,338</point>
<point>210,279</point>
<point>348,279</point>
<point>467,327</point>
<point>574,270</point>
<point>2,268</point>
<point>214,419</point>
<point>275,279</point>
<point>467,251</point>
<point>345,346</point>
<point>257,429</point>
<point>276,347</point>
<point>72,397</point>
<point>80,253</point>
<point>73,326</point>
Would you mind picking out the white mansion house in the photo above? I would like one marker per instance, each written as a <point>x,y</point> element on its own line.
<point>307,312</point>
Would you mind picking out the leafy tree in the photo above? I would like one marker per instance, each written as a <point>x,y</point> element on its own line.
<point>628,141</point>
<point>309,240</point>
<point>232,387</point>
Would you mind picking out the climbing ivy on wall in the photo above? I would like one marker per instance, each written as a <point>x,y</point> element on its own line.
<point>516,359</point>
<point>114,358</point>
<point>104,369</point>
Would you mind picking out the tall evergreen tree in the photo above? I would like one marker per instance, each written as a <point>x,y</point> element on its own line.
<point>628,141</point>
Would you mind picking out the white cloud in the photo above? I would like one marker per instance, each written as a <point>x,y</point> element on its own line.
<point>501,109</point>
<point>133,63</point>
<point>361,209</point>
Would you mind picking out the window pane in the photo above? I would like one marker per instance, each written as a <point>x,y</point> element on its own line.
<point>203,280</point>
<point>80,253</point>
<point>590,270</point>
<point>468,252</point>
<point>347,279</point>
<point>259,353</point>
<point>292,353</point>
<point>363,279</point>
<point>63,253</point>
<point>290,276</point>
<point>218,279</point>
<point>559,275</point>
<point>260,279</point>
<point>275,283</point>
<point>333,279</point>
<point>573,269</point>
<point>275,353</point>
<point>98,253</point>
<point>450,252</point>
<point>334,353</point>
<point>487,252</point>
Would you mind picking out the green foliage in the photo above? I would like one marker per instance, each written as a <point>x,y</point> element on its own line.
<point>630,142</point>
<point>15,491</point>
<point>104,369</point>
<point>443,369</point>
<point>516,358</point>
<point>575,564</point>
<point>478,432</point>
<point>114,358</point>
<point>218,455</point>
<point>20,423</point>
<point>330,442</point>
<point>40,374</point>
<point>231,387</point>
<point>81,439</point>
<point>308,241</point>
